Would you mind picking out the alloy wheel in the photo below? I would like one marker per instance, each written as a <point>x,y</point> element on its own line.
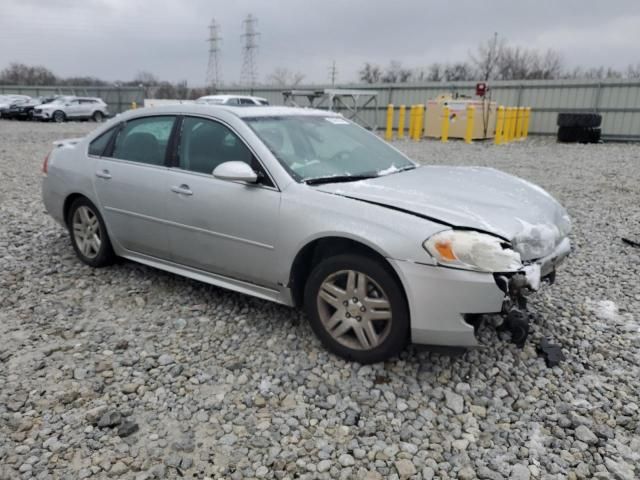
<point>86,231</point>
<point>354,310</point>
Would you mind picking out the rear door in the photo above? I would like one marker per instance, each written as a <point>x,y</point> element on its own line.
<point>131,184</point>
<point>73,109</point>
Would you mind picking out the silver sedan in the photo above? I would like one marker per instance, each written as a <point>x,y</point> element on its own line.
<point>305,208</point>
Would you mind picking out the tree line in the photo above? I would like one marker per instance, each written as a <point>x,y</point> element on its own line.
<point>494,59</point>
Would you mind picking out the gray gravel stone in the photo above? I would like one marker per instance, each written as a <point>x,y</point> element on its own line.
<point>224,384</point>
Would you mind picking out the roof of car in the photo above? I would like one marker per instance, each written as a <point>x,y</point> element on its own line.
<point>240,111</point>
<point>226,96</point>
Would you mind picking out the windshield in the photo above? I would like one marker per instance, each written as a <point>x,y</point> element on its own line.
<point>313,147</point>
<point>59,101</point>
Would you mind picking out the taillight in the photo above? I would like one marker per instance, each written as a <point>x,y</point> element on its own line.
<point>45,164</point>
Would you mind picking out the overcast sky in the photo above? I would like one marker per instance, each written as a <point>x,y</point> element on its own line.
<point>115,39</point>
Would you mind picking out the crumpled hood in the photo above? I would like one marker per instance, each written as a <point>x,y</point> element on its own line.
<point>471,197</point>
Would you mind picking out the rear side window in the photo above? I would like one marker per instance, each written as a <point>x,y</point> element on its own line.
<point>144,140</point>
<point>98,146</point>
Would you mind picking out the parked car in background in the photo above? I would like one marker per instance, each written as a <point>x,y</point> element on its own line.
<point>72,108</point>
<point>232,100</point>
<point>306,208</point>
<point>7,100</point>
<point>23,109</point>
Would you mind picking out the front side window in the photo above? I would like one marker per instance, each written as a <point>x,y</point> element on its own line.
<point>314,147</point>
<point>205,144</point>
<point>98,146</point>
<point>144,140</point>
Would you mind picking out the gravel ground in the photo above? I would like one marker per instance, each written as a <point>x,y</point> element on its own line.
<point>130,372</point>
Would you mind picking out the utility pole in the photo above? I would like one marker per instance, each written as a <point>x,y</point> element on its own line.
<point>214,75</point>
<point>249,73</point>
<point>333,73</point>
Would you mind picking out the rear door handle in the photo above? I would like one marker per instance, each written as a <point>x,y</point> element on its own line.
<point>182,189</point>
<point>103,174</point>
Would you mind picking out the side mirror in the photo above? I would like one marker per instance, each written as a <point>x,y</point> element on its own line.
<point>235,171</point>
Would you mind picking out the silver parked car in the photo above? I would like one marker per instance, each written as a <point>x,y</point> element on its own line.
<point>305,208</point>
<point>242,100</point>
<point>72,108</point>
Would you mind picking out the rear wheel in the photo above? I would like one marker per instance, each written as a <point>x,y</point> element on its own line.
<point>89,234</point>
<point>59,116</point>
<point>357,308</point>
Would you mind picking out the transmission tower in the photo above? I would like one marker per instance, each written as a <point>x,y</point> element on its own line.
<point>333,73</point>
<point>214,75</point>
<point>249,73</point>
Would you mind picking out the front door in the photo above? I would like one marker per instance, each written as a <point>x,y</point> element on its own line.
<point>223,227</point>
<point>131,184</point>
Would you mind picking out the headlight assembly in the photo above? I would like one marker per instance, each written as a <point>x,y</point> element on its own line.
<point>471,250</point>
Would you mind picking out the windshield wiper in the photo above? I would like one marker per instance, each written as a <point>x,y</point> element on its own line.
<point>338,179</point>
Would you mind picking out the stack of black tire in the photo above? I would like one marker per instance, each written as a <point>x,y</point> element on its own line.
<point>579,127</point>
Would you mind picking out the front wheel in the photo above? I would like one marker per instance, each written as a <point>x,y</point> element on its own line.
<point>59,116</point>
<point>357,308</point>
<point>89,234</point>
<point>98,117</point>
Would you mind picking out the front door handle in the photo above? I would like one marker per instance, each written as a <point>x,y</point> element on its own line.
<point>103,174</point>
<point>182,189</point>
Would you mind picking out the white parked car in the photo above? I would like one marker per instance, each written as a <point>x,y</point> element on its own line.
<point>72,108</point>
<point>232,100</point>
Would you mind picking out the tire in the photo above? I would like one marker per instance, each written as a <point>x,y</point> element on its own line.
<point>343,328</point>
<point>83,220</point>
<point>579,135</point>
<point>590,120</point>
<point>58,116</point>
<point>568,134</point>
<point>97,117</point>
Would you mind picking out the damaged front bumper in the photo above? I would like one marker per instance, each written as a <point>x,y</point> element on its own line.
<point>517,286</point>
<point>444,302</point>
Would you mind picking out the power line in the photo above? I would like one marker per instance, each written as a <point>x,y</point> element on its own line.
<point>214,75</point>
<point>249,73</point>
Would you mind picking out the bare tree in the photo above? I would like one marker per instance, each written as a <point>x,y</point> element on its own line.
<point>21,74</point>
<point>487,57</point>
<point>370,73</point>
<point>283,77</point>
<point>633,71</point>
<point>459,71</point>
<point>396,73</point>
<point>146,78</point>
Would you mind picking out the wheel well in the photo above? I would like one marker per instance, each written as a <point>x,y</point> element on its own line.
<point>314,252</point>
<point>67,205</point>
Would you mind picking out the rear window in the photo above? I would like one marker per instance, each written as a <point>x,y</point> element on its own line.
<point>98,146</point>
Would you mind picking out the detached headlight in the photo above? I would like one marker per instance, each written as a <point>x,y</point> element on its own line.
<point>472,251</point>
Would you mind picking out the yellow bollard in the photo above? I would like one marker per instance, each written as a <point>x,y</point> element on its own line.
<point>412,121</point>
<point>499,138</point>
<point>419,121</point>
<point>508,125</point>
<point>468,134</point>
<point>520,132</point>
<point>514,124</point>
<point>389,132</point>
<point>134,105</point>
<point>444,133</point>
<point>527,117</point>
<point>401,114</point>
